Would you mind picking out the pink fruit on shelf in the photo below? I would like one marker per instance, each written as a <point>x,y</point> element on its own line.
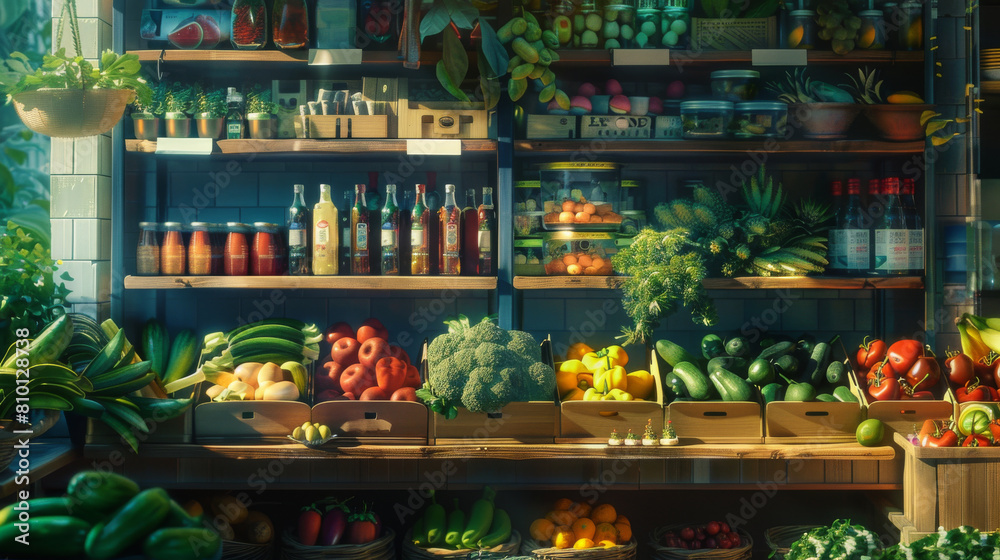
<point>187,36</point>
<point>580,104</point>
<point>613,87</point>
<point>620,105</point>
<point>675,90</point>
<point>587,89</point>
<point>655,106</point>
<point>211,34</point>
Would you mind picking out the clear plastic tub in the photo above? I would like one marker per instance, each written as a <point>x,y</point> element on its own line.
<point>578,254</point>
<point>528,257</point>
<point>735,85</point>
<point>528,209</point>
<point>760,119</point>
<point>706,118</point>
<point>580,196</point>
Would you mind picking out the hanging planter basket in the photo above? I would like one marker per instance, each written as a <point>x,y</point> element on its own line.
<point>72,113</point>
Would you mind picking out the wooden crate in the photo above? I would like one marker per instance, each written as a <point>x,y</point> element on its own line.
<point>713,421</point>
<point>374,422</point>
<point>440,119</point>
<point>902,416</point>
<point>593,421</point>
<point>950,486</point>
<point>552,127</point>
<point>175,430</point>
<point>616,126</point>
<point>521,422</point>
<point>341,126</point>
<point>734,34</point>
<point>249,421</point>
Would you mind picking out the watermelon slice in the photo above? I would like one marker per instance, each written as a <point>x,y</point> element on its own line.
<point>211,32</point>
<point>188,35</point>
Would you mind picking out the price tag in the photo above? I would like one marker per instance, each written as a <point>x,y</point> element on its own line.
<point>185,146</point>
<point>778,57</point>
<point>435,147</point>
<point>640,57</point>
<point>334,57</point>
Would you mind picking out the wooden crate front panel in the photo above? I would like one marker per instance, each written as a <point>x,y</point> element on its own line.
<point>526,422</point>
<point>968,493</point>
<point>423,122</point>
<point>716,421</point>
<point>374,421</point>
<point>343,126</point>
<point>813,422</point>
<point>261,421</point>
<point>175,430</point>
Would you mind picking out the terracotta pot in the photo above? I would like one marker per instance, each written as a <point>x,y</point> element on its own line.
<point>899,123</point>
<point>823,121</point>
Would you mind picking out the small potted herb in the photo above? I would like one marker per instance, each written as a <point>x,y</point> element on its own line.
<point>260,113</point>
<point>669,436</point>
<point>210,112</point>
<point>146,115</point>
<point>648,435</point>
<point>631,438</point>
<point>614,438</point>
<point>179,102</point>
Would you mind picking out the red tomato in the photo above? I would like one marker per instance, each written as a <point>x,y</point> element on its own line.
<point>734,538</point>
<point>712,528</point>
<point>974,391</point>
<point>724,542</point>
<point>933,435</point>
<point>903,354</point>
<point>870,352</point>
<point>371,351</point>
<point>330,395</point>
<point>356,378</point>
<point>309,524</point>
<point>882,368</point>
<point>883,388</point>
<point>345,351</point>
<point>924,374</point>
<point>336,331</point>
<point>960,368</point>
<point>687,533</point>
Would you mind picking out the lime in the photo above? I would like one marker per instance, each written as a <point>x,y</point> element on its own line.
<point>870,432</point>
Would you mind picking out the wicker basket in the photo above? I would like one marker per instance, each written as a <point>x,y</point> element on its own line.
<point>734,34</point>
<point>660,552</point>
<point>381,548</point>
<point>779,539</point>
<point>235,550</point>
<point>625,551</point>
<point>414,552</point>
<point>72,113</point>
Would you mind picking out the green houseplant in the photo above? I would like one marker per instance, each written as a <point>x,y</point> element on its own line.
<point>210,112</point>
<point>67,96</point>
<point>260,113</point>
<point>178,105</point>
<point>146,116</point>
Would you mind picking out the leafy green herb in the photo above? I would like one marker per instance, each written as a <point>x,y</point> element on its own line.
<point>259,100</point>
<point>962,542</point>
<point>437,404</point>
<point>839,540</point>
<point>212,102</point>
<point>156,105</point>
<point>179,98</point>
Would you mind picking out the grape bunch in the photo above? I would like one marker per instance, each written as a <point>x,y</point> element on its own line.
<point>837,24</point>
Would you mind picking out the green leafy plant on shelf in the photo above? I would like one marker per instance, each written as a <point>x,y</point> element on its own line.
<point>210,101</point>
<point>705,236</point>
<point>259,100</point>
<point>156,105</point>
<point>179,99</point>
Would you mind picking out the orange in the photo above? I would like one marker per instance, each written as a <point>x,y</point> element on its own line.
<point>578,207</point>
<point>597,263</point>
<point>582,509</point>
<point>542,529</point>
<point>624,531</point>
<point>604,513</point>
<point>583,543</point>
<point>583,528</point>
<point>561,517</point>
<point>582,218</point>
<point>607,544</point>
<point>589,208</point>
<point>623,519</point>
<point>585,260</point>
<point>566,217</point>
<point>557,267</point>
<point>595,219</point>
<point>565,503</point>
<point>606,532</point>
<point>567,260</point>
<point>574,270</point>
<point>795,37</point>
<point>563,537</point>
<point>568,205</point>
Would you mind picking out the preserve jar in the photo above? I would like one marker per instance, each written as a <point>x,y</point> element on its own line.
<point>265,253</point>
<point>173,256</point>
<point>588,26</point>
<point>249,24</point>
<point>217,234</point>
<point>236,258</point>
<point>618,28</point>
<point>648,28</point>
<point>802,29</point>
<point>871,35</point>
<point>200,250</point>
<point>147,253</point>
<point>910,31</point>
<point>582,195</point>
<point>675,24</point>
<point>290,24</point>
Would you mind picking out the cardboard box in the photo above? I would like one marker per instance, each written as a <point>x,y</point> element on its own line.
<point>440,119</point>
<point>341,126</point>
<point>552,127</point>
<point>249,421</point>
<point>374,422</point>
<point>616,126</point>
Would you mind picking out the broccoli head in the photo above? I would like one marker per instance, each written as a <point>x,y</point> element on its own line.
<point>448,377</point>
<point>541,382</point>
<point>484,391</point>
<point>523,344</point>
<point>441,348</point>
<point>487,331</point>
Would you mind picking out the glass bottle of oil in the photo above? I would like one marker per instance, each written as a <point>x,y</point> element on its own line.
<point>359,232</point>
<point>450,228</point>
<point>420,228</point>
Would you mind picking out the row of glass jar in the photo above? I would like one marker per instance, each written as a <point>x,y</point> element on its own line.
<point>653,24</point>
<point>202,249</point>
<point>895,27</point>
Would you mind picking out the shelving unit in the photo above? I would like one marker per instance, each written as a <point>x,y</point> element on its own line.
<point>306,146</point>
<point>407,283</point>
<point>665,148</point>
<point>748,282</point>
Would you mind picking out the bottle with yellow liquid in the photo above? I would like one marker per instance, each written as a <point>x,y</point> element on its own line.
<point>326,235</point>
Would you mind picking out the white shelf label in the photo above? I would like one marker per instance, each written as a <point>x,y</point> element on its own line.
<point>184,146</point>
<point>779,57</point>
<point>433,147</point>
<point>334,57</point>
<point>640,57</point>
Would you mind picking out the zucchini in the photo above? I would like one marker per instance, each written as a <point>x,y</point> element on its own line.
<point>54,536</point>
<point>835,372</point>
<point>155,345</point>
<point>183,354</point>
<point>674,387</point>
<point>738,347</point>
<point>38,507</point>
<point>132,523</point>
<point>787,365</point>
<point>673,353</point>
<point>47,346</point>
<point>844,394</point>
<point>101,491</point>
<point>730,386</point>
<point>815,369</point>
<point>825,397</point>
<point>176,543</point>
<point>776,350</point>
<point>736,365</point>
<point>695,382</point>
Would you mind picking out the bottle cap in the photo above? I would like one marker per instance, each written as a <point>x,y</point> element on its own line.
<point>360,188</point>
<point>449,188</point>
<point>836,188</point>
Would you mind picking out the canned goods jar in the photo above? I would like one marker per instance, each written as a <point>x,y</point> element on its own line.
<point>675,25</point>
<point>632,196</point>
<point>648,28</point>
<point>618,28</point>
<point>173,256</point>
<point>760,119</point>
<point>265,252</point>
<point>236,255</point>
<point>199,250</point>
<point>147,253</point>
<point>871,35</point>
<point>588,25</point>
<point>735,85</point>
<point>802,29</point>
<point>528,257</point>
<point>911,26</point>
<point>582,196</point>
<point>706,118</point>
<point>578,254</point>
<point>217,233</point>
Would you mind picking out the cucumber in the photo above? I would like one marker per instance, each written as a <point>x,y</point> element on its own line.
<point>738,347</point>
<point>183,355</point>
<point>730,386</point>
<point>155,346</point>
<point>674,354</point>
<point>825,397</point>
<point>736,365</point>
<point>835,372</point>
<point>787,365</point>
<point>844,394</point>
<point>674,387</point>
<point>46,347</point>
<point>772,392</point>
<point>712,346</point>
<point>776,350</point>
<point>695,382</point>
<point>800,392</point>
<point>760,372</point>
<point>815,370</point>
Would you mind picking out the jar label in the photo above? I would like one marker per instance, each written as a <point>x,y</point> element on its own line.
<point>322,233</point>
<point>388,238</point>
<point>362,236</point>
<point>416,238</point>
<point>296,237</point>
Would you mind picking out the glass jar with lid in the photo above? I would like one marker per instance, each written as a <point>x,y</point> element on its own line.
<point>236,255</point>
<point>801,29</point>
<point>648,26</point>
<point>173,255</point>
<point>199,250</point>
<point>871,35</point>
<point>217,234</point>
<point>528,257</point>
<point>632,196</point>
<point>265,251</point>
<point>588,26</point>
<point>559,20</point>
<point>910,31</point>
<point>675,24</point>
<point>582,195</point>
<point>618,28</point>
<point>147,253</point>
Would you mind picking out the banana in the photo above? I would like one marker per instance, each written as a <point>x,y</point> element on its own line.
<point>991,338</point>
<point>972,344</point>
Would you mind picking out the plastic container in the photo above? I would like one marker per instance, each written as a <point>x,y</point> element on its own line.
<point>871,35</point>
<point>618,29</point>
<point>760,119</point>
<point>580,196</point>
<point>802,29</point>
<point>706,118</point>
<point>528,208</point>
<point>675,24</point>
<point>632,196</point>
<point>735,85</point>
<point>578,254</point>
<point>528,257</point>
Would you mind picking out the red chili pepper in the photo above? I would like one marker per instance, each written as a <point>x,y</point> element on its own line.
<point>883,388</point>
<point>870,352</point>
<point>903,354</point>
<point>995,429</point>
<point>976,440</point>
<point>961,368</point>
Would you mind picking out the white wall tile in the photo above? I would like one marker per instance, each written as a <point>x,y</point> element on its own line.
<point>87,239</point>
<point>103,205</point>
<point>62,239</point>
<point>105,253</point>
<point>61,162</point>
<point>73,196</point>
<point>84,284</point>
<point>92,155</point>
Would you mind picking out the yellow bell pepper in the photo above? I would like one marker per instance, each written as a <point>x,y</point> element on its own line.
<point>565,381</point>
<point>577,351</point>
<point>640,384</point>
<point>592,395</point>
<point>574,366</point>
<point>612,378</point>
<point>615,355</point>
<point>617,395</point>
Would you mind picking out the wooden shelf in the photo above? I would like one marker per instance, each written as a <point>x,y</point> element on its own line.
<point>989,87</point>
<point>749,282</point>
<point>46,455</point>
<point>409,283</point>
<point>680,58</point>
<point>514,452</point>
<point>662,148</point>
<point>303,146</point>
<point>268,57</point>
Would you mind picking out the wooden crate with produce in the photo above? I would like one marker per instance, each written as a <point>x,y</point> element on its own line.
<point>471,392</point>
<point>426,113</point>
<point>583,531</point>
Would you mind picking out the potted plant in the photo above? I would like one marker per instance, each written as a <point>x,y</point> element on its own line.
<point>821,111</point>
<point>210,112</point>
<point>260,113</point>
<point>146,116</point>
<point>901,117</point>
<point>67,97</point>
<point>178,104</point>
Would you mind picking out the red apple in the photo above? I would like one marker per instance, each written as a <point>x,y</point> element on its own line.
<point>345,351</point>
<point>356,378</point>
<point>373,350</point>
<point>373,394</point>
<point>337,331</point>
<point>380,329</point>
<point>404,394</point>
<point>330,395</point>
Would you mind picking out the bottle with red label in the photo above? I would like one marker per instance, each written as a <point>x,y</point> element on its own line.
<point>487,233</point>
<point>450,228</point>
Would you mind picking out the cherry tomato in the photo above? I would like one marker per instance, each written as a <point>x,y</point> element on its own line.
<point>903,354</point>
<point>960,368</point>
<point>712,528</point>
<point>687,533</point>
<point>870,353</point>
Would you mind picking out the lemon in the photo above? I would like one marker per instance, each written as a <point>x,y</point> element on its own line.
<point>297,433</point>
<point>311,433</point>
<point>324,432</point>
<point>795,37</point>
